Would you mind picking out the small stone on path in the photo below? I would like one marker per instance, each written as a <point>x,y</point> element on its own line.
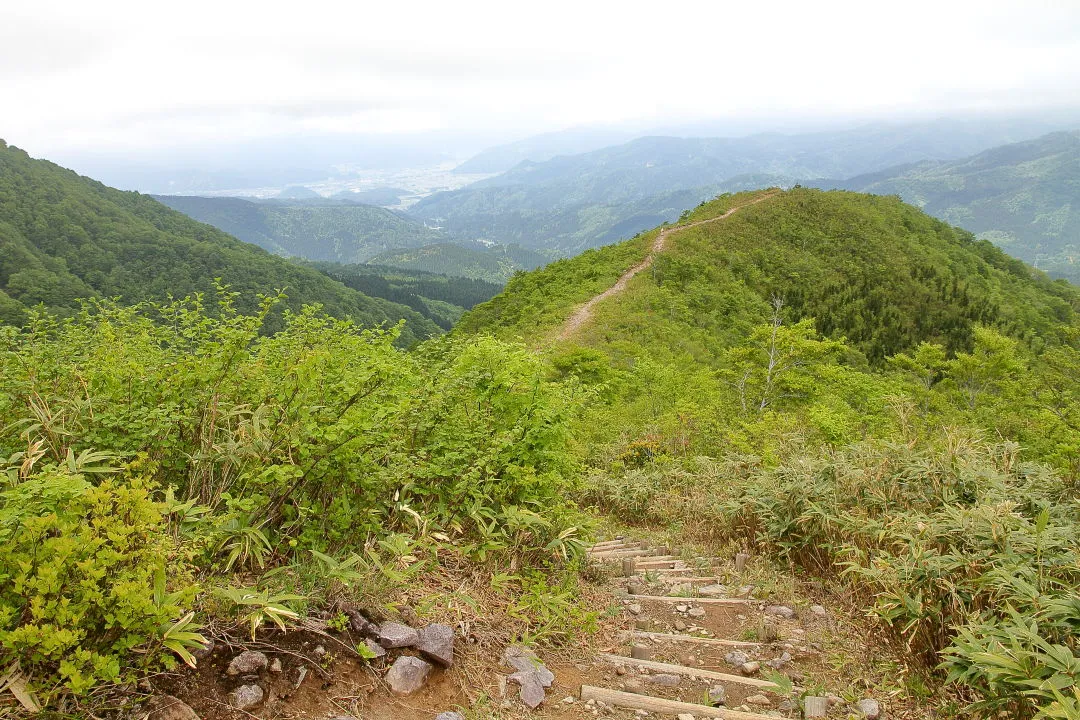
<point>736,658</point>
<point>759,700</point>
<point>634,609</point>
<point>167,707</point>
<point>392,635</point>
<point>696,612</point>
<point>436,642</point>
<point>782,611</point>
<point>247,662</point>
<point>451,716</point>
<point>665,679</point>
<point>750,668</point>
<point>246,696</point>
<point>407,675</point>
<point>718,694</point>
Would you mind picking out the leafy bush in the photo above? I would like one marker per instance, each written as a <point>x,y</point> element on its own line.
<point>76,562</point>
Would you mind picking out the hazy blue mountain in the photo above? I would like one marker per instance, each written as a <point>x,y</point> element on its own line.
<point>316,229</point>
<point>572,202</point>
<point>1024,197</point>
<point>543,147</point>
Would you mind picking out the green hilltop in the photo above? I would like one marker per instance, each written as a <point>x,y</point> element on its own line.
<point>871,270</point>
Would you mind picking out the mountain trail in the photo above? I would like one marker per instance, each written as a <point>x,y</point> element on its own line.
<point>583,314</point>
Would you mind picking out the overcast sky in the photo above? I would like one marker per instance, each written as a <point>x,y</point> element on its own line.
<point>138,75</point>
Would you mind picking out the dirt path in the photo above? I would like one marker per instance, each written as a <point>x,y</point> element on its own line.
<point>583,314</point>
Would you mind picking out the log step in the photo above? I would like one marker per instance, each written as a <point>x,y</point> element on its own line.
<point>675,571</point>
<point>691,639</point>
<point>618,554</point>
<point>657,560</point>
<point>691,600</point>
<point>631,701</point>
<point>689,671</point>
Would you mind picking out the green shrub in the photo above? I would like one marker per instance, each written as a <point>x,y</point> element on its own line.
<point>78,567</point>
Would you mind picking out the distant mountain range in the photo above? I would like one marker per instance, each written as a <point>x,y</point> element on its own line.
<point>1024,197</point>
<point>568,203</point>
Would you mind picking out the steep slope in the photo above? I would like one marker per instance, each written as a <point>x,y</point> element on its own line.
<point>344,232</point>
<point>64,237</point>
<point>871,269</point>
<point>1024,197</point>
<point>570,203</point>
<point>443,299</point>
<point>493,264</point>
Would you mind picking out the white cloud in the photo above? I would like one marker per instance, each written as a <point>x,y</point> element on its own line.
<point>124,74</point>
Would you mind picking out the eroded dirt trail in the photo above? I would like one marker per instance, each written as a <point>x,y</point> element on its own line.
<point>583,314</point>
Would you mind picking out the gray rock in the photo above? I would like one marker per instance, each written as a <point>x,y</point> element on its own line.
<point>525,660</point>
<point>635,609</point>
<point>870,709</point>
<point>167,707</point>
<point>203,651</point>
<point>275,665</point>
<point>680,625</point>
<point>301,673</point>
<point>532,690</point>
<point>718,695</point>
<point>376,649</point>
<point>359,624</point>
<point>392,635</point>
<point>777,663</point>
<point>696,612</point>
<point>736,658</point>
<point>782,611</point>
<point>750,668</point>
<point>247,662</point>
<point>713,591</point>
<point>449,716</point>
<point>407,675</point>
<point>759,700</point>
<point>819,610</point>
<point>437,643</point>
<point>246,696</point>
<point>665,679</point>
<point>531,674</point>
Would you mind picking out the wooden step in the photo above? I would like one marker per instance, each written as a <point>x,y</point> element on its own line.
<point>676,571</point>
<point>675,599</point>
<point>712,579</point>
<point>620,554</point>
<point>610,544</point>
<point>689,671</point>
<point>656,560</point>
<point>691,639</point>
<point>632,701</point>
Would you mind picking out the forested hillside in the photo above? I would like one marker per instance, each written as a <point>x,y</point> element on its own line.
<point>493,264</point>
<point>66,238</point>
<point>440,298</point>
<point>342,231</point>
<point>1024,197</point>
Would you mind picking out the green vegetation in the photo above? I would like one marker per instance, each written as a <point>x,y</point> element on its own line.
<point>839,380</point>
<point>493,264</point>
<point>169,448</point>
<point>66,238</point>
<point>344,232</point>
<point>855,388</point>
<point>1022,197</point>
<point>440,298</point>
